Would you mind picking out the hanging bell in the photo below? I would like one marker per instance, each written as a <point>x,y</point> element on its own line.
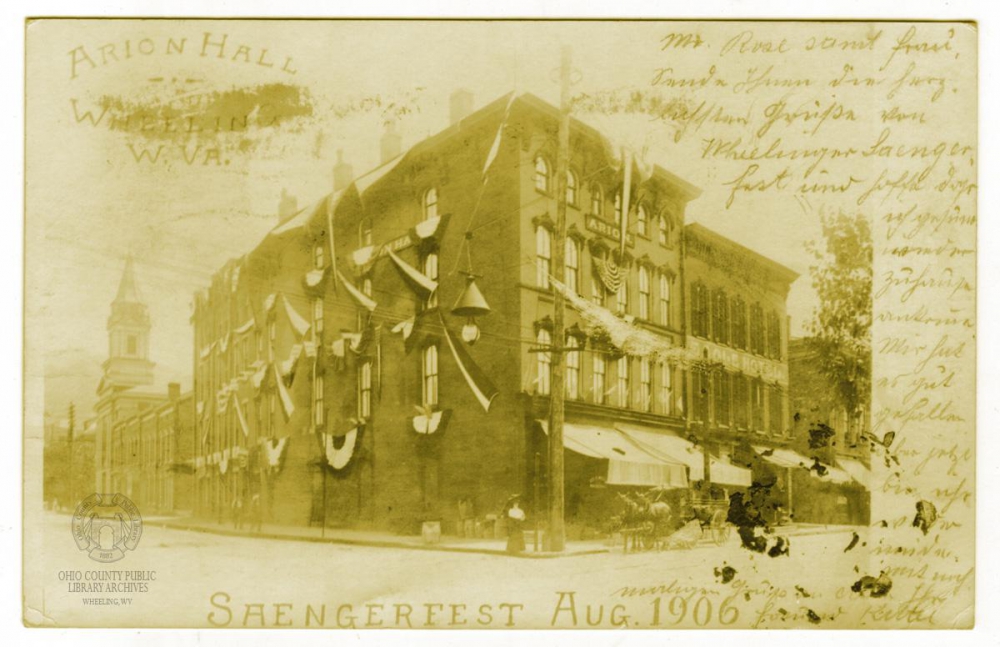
<point>471,302</point>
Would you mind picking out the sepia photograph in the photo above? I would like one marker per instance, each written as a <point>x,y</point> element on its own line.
<point>500,324</point>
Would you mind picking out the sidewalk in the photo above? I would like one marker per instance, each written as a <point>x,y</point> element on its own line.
<point>373,538</point>
<point>378,539</point>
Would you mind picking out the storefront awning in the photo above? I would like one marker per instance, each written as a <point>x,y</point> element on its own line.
<point>628,463</point>
<point>791,459</point>
<point>671,446</point>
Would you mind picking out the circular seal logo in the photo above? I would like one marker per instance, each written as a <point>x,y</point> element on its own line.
<point>106,525</point>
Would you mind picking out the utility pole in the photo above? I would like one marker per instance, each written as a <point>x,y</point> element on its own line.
<point>556,538</point>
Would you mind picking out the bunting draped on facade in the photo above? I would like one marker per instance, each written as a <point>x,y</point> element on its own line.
<point>430,422</point>
<point>608,272</point>
<point>480,385</point>
<point>274,452</point>
<point>315,277</point>
<point>269,302</point>
<point>421,284</point>
<point>427,229</point>
<point>362,299</point>
<point>299,323</point>
<point>245,327</point>
<point>286,399</point>
<point>626,337</point>
<point>339,458</point>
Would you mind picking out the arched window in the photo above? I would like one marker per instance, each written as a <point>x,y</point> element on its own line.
<point>666,400</point>
<point>430,376</point>
<point>664,299</point>
<point>644,294</point>
<point>618,208</point>
<point>365,389</point>
<point>544,361</point>
<point>596,200</point>
<point>543,256</point>
<point>571,188</point>
<point>318,408</point>
<point>319,256</point>
<point>661,222</point>
<point>645,385</point>
<point>623,295</point>
<point>573,264</point>
<point>541,174</point>
<point>624,382</point>
<point>430,204</point>
<point>365,229</point>
<point>318,315</point>
<point>720,314</point>
<point>598,387</point>
<point>642,221</point>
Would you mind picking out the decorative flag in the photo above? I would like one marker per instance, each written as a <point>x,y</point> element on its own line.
<point>429,422</point>
<point>274,449</point>
<point>363,300</point>
<point>315,277</point>
<point>286,399</point>
<point>421,284</point>
<point>481,386</point>
<point>239,415</point>
<point>299,323</point>
<point>626,194</point>
<point>405,327</point>
<point>495,148</point>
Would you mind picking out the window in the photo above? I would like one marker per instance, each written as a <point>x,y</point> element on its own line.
<point>571,188</point>
<point>720,317</point>
<point>319,256</point>
<point>366,285</point>
<point>365,390</point>
<point>645,386</point>
<point>572,367</point>
<point>642,221</point>
<point>699,310</point>
<point>756,329</point>
<point>596,200</point>
<point>598,386</point>
<point>666,399</point>
<point>431,271</point>
<point>543,256</point>
<point>738,327</point>
<point>624,385</point>
<point>644,297</point>
<point>661,223</point>
<point>618,209</point>
<point>430,376</point>
<point>757,405</point>
<point>573,265</point>
<point>774,335</point>
<point>318,316</point>
<point>317,400</point>
<point>721,393</point>
<point>664,299</point>
<point>775,409</point>
<point>599,293</point>
<point>430,204</point>
<point>543,361</point>
<point>741,397</point>
<point>541,174</point>
<point>623,295</point>
<point>131,345</point>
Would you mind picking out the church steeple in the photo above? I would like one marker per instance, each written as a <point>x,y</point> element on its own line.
<point>128,335</point>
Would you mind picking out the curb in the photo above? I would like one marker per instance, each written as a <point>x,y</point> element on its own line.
<point>373,543</point>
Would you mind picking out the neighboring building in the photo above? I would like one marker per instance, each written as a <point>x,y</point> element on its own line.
<point>143,431</point>
<point>335,385</point>
<point>823,429</point>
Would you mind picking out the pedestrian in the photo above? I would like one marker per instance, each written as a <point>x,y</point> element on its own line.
<point>238,512</point>
<point>515,527</point>
<point>256,513</point>
<point>466,517</point>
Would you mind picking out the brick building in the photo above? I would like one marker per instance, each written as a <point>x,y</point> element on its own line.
<point>335,385</point>
<point>144,431</point>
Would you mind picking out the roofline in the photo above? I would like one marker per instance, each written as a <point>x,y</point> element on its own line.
<point>782,272</point>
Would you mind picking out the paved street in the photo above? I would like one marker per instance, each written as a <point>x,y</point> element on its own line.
<point>193,569</point>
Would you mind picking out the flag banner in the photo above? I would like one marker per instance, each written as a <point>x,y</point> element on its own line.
<point>421,329</point>
<point>299,323</point>
<point>495,148</point>
<point>362,299</point>
<point>274,450</point>
<point>421,284</point>
<point>286,399</point>
<point>405,327</point>
<point>480,385</point>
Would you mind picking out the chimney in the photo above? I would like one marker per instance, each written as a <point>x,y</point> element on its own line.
<point>461,105</point>
<point>343,173</point>
<point>287,206</point>
<point>173,391</point>
<point>391,142</point>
